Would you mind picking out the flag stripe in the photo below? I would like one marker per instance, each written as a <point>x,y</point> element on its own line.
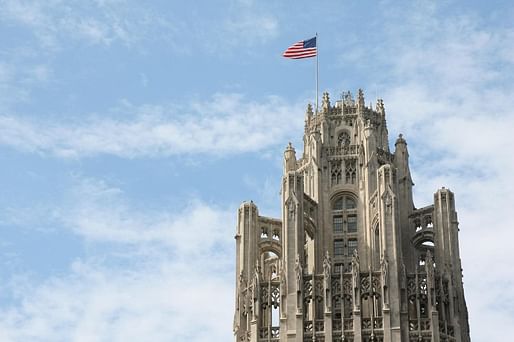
<point>301,55</point>
<point>302,49</point>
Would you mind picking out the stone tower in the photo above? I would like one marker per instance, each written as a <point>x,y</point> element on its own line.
<point>352,258</point>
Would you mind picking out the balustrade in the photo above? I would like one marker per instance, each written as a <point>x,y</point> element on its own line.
<point>342,150</point>
<point>424,323</point>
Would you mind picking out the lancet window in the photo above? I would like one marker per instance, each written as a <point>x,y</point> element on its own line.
<point>336,172</point>
<point>350,171</point>
<point>344,228</point>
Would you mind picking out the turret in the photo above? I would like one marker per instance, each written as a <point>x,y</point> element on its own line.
<point>401,160</point>
<point>289,159</point>
<point>247,254</point>
<point>446,226</point>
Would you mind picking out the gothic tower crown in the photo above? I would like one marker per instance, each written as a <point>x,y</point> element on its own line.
<point>351,258</point>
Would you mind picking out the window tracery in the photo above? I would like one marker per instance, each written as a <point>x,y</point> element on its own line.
<point>336,172</point>
<point>350,171</point>
<point>344,227</point>
<point>343,139</point>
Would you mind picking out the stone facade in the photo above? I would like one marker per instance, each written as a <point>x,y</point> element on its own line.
<point>352,258</point>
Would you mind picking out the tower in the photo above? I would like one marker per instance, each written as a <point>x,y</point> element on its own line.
<point>351,259</point>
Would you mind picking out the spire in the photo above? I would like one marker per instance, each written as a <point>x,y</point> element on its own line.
<point>325,105</point>
<point>308,113</point>
<point>360,100</point>
<point>401,159</point>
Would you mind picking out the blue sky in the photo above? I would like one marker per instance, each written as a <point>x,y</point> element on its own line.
<point>130,133</point>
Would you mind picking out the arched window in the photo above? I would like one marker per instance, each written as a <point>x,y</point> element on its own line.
<point>336,172</point>
<point>350,171</point>
<point>338,204</point>
<point>344,227</point>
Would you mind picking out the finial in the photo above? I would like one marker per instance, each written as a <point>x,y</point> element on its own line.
<point>380,106</point>
<point>348,99</point>
<point>360,99</point>
<point>290,148</point>
<point>400,140</point>
<point>309,109</point>
<point>325,105</point>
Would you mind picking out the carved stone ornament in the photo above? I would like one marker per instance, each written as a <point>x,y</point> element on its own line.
<point>355,269</point>
<point>384,267</point>
<point>403,276</point>
<point>291,207</point>
<point>283,282</point>
<point>429,264</point>
<point>299,274</point>
<point>327,270</point>
<point>388,201</point>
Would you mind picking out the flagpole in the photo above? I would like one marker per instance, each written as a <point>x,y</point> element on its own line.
<point>317,72</point>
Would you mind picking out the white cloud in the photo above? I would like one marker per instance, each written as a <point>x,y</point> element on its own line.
<point>98,22</point>
<point>94,303</point>
<point>56,24</point>
<point>246,24</point>
<point>173,264</point>
<point>100,214</point>
<point>10,89</point>
<point>226,124</point>
<point>252,27</point>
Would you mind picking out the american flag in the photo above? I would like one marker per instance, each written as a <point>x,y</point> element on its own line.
<point>302,49</point>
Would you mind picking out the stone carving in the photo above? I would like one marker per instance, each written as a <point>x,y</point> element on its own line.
<point>384,268</point>
<point>327,274</point>
<point>327,270</point>
<point>299,282</point>
<point>283,281</point>
<point>256,289</point>
<point>299,273</point>
<point>291,206</point>
<point>388,203</point>
<point>355,268</point>
<point>325,104</point>
<point>355,278</point>
<point>429,262</point>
